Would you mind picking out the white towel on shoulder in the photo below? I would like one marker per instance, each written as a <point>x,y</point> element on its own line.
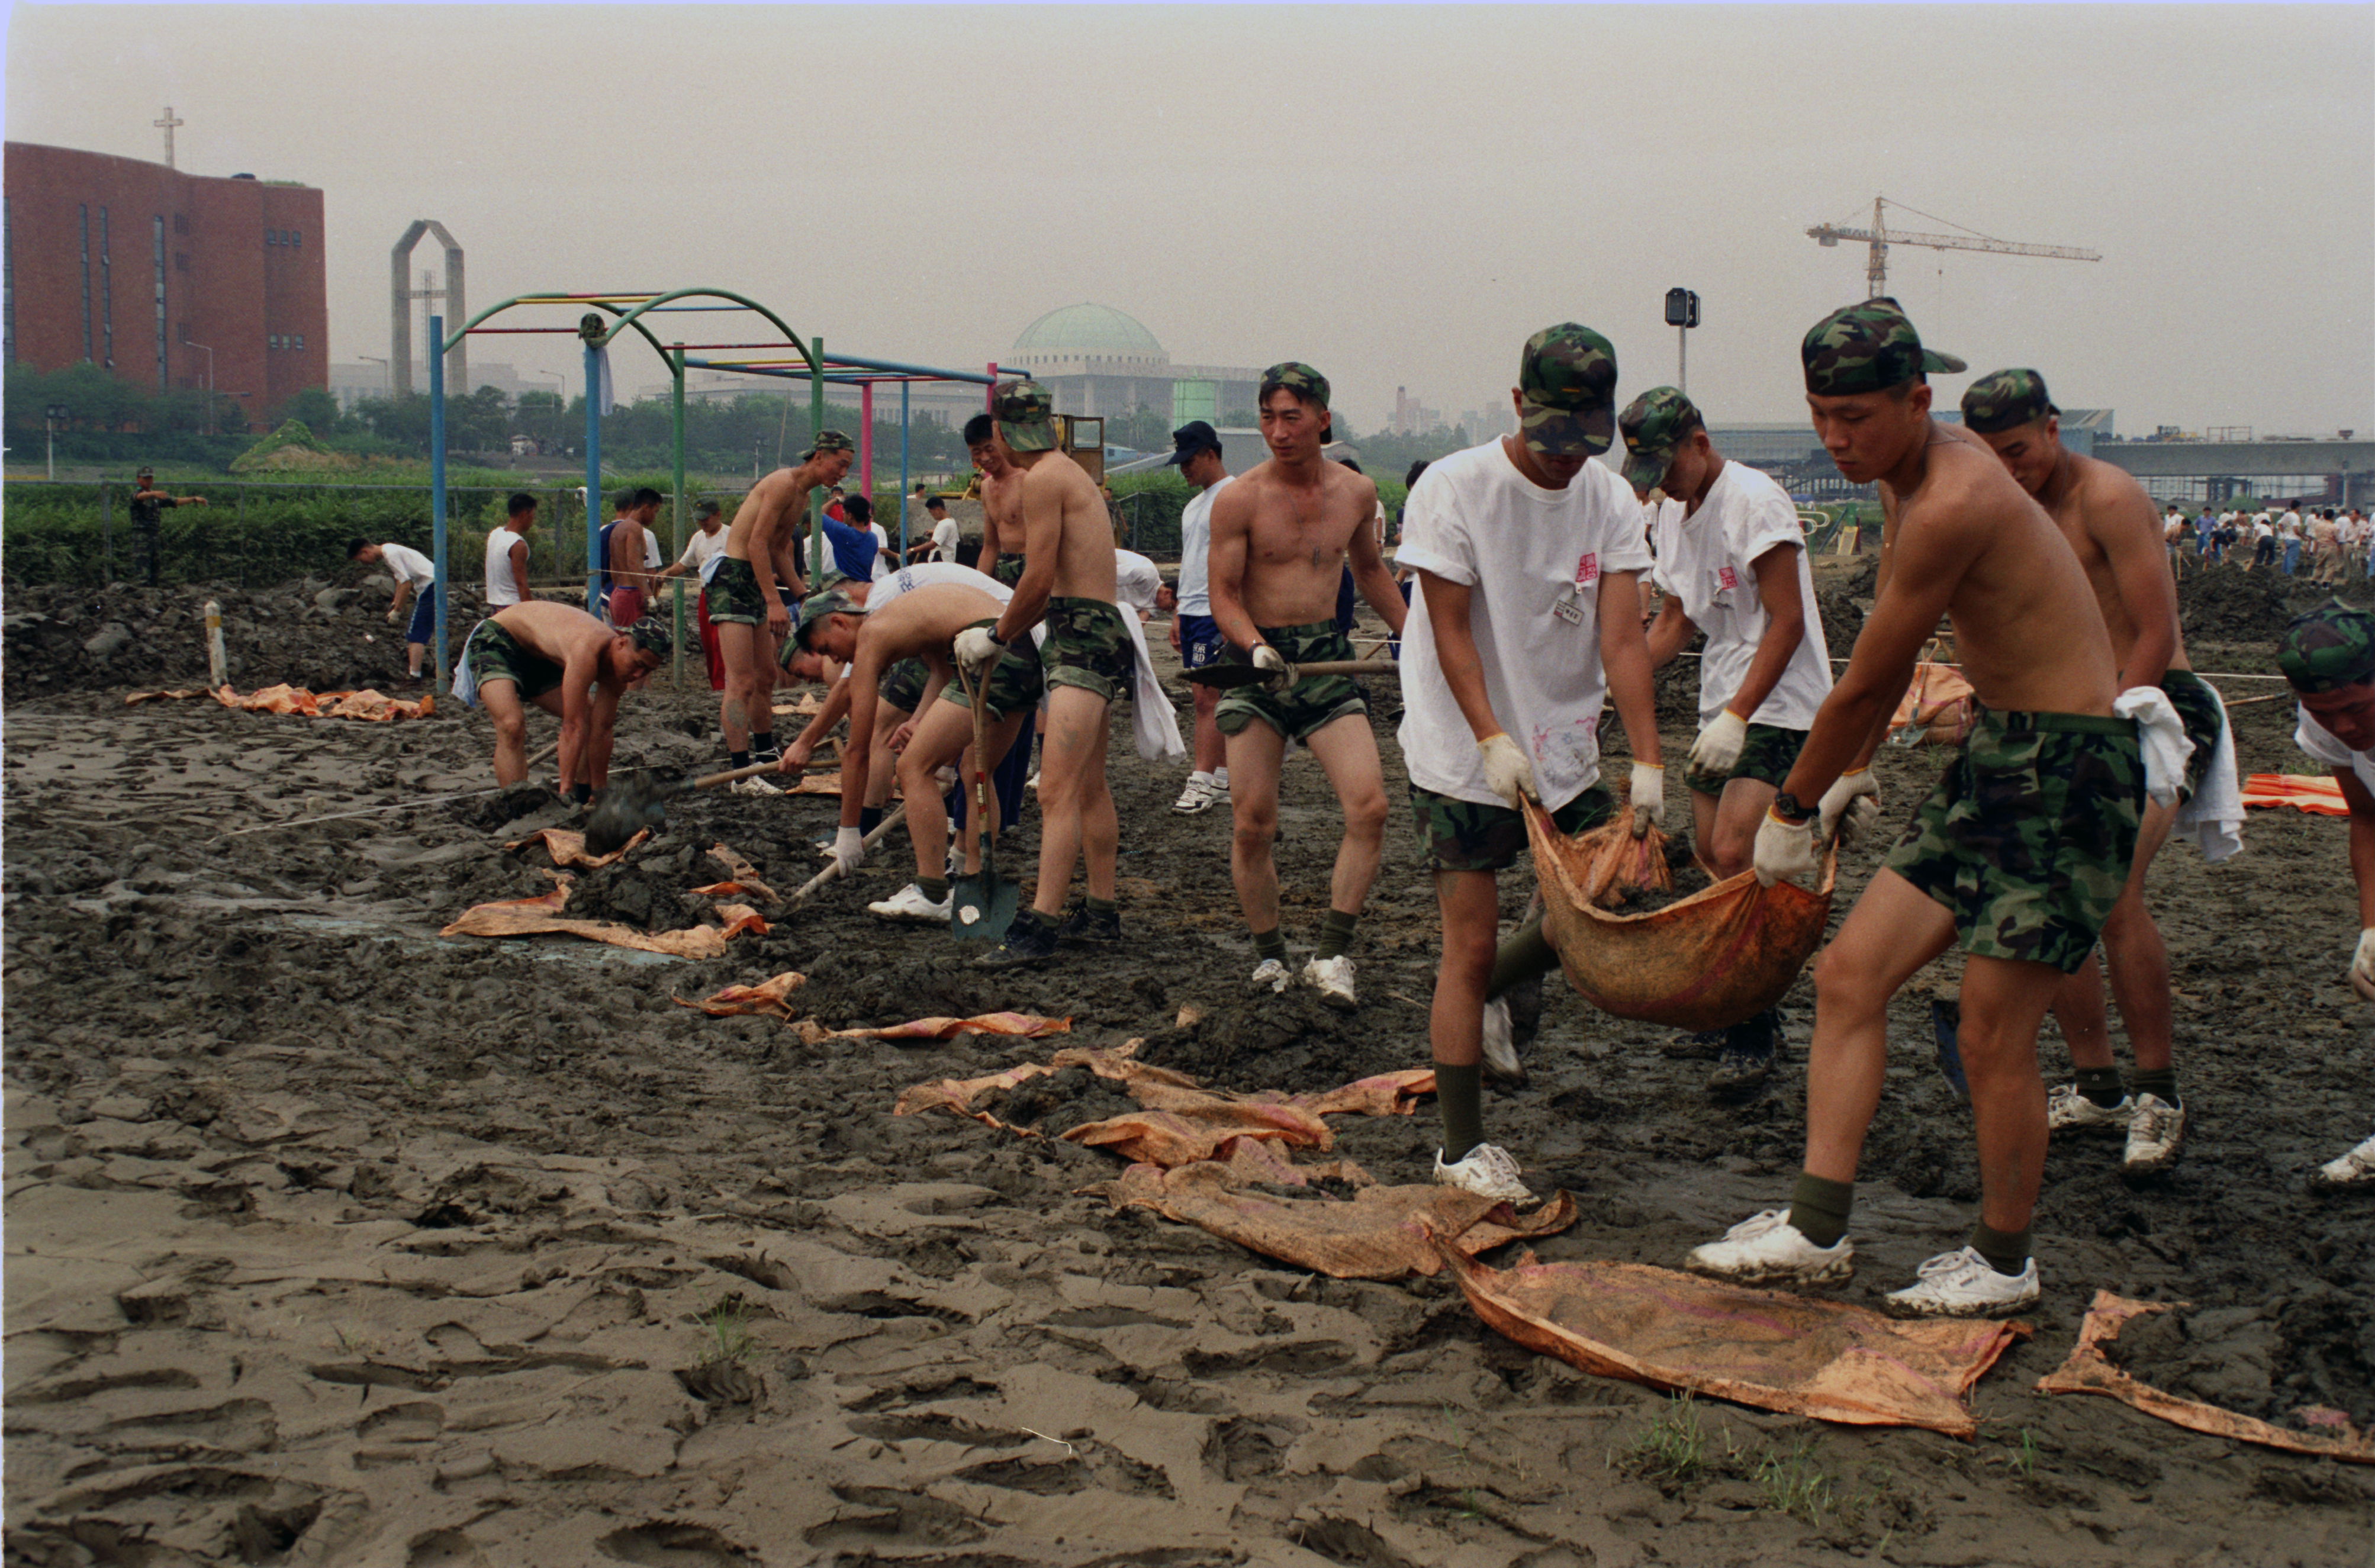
<point>2161,734</point>
<point>466,679</point>
<point>2213,819</point>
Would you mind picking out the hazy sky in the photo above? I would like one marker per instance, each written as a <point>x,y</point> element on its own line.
<point>1397,194</point>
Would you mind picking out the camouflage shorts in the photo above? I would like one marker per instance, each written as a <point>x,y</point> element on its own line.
<point>1305,707</point>
<point>1766,756</point>
<point>734,596</point>
<point>496,654</point>
<point>1015,682</point>
<point>1464,835</point>
<point>2027,839</point>
<point>903,684</point>
<point>1089,647</point>
<point>1009,570</point>
<point>2198,710</point>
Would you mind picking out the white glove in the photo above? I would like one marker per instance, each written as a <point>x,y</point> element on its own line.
<point>1719,744</point>
<point>848,850</point>
<point>1849,807</point>
<point>976,649</point>
<point>2362,965</point>
<point>392,615</point>
<point>1648,797</point>
<point>1785,852</point>
<point>1509,771</point>
<point>1282,674</point>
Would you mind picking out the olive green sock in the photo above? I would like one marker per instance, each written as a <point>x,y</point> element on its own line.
<point>2006,1251</point>
<point>1103,906</point>
<point>2159,1082</point>
<point>1046,922</point>
<point>1271,944</point>
<point>934,887</point>
<point>1819,1207</point>
<point>1335,933</point>
<point>2101,1085</point>
<point>1460,1096</point>
<point>1526,954</point>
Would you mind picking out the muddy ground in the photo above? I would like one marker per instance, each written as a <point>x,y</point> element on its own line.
<point>332,1242</point>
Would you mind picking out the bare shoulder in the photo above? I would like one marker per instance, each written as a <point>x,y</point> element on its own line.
<point>1358,488</point>
<point>2111,492</point>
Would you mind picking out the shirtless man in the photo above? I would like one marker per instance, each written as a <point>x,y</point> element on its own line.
<point>2108,521</point>
<point>1089,656</point>
<point>1281,535</point>
<point>746,605</point>
<point>919,624</point>
<point>1003,537</point>
<point>567,663</point>
<point>2020,853</point>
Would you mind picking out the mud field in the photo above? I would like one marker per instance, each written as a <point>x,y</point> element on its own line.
<point>332,1242</point>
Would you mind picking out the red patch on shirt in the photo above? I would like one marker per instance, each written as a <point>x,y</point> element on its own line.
<point>1728,577</point>
<point>1586,569</point>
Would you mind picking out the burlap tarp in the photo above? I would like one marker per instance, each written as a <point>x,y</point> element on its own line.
<point>2322,796</point>
<point>370,706</point>
<point>567,847</point>
<point>773,998</point>
<point>542,916</point>
<point>741,877</point>
<point>1824,1359</point>
<point>1701,962</point>
<point>2089,1371</point>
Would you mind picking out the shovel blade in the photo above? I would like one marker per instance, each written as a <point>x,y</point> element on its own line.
<point>981,908</point>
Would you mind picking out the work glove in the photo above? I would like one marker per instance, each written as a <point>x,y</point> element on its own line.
<point>392,615</point>
<point>2362,965</point>
<point>1509,771</point>
<point>1785,852</point>
<point>1849,807</point>
<point>1648,797</point>
<point>1282,674</point>
<point>1718,745</point>
<point>977,649</point>
<point>848,850</point>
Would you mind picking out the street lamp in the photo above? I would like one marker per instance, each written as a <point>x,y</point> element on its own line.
<point>56,411</point>
<point>211,379</point>
<point>387,377</point>
<point>1682,314</point>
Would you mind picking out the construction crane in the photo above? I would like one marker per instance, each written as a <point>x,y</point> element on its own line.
<point>1881,237</point>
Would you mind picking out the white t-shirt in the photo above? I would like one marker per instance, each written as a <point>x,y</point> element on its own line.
<point>1136,580</point>
<point>881,543</point>
<point>1536,559</point>
<point>1196,550</point>
<point>2322,744</point>
<point>944,540</point>
<point>1706,561</point>
<point>408,565</point>
<point>699,548</point>
<point>931,573</point>
<point>1655,514</point>
<point>2291,525</point>
<point>500,587</point>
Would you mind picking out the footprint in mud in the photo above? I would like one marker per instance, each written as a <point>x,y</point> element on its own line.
<point>1342,1540</point>
<point>877,1513</point>
<point>665,1544</point>
<point>1245,1449</point>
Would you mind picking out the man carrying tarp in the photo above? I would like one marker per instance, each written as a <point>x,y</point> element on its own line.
<point>567,663</point>
<point>2329,657</point>
<point>1280,537</point>
<point>747,606</point>
<point>2019,854</point>
<point>1731,562</point>
<point>2108,521</point>
<point>1526,620</point>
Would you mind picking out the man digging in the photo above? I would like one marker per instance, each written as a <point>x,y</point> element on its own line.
<point>1281,535</point>
<point>2019,854</point>
<point>416,581</point>
<point>569,664</point>
<point>747,606</point>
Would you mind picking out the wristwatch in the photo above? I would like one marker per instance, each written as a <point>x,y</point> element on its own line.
<point>1785,806</point>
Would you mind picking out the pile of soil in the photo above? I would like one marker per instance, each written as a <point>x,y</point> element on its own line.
<point>1059,1102</point>
<point>2310,1346</point>
<point>2228,604</point>
<point>1841,600</point>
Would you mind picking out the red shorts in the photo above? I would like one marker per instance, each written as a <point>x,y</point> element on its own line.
<point>626,606</point>
<point>709,643</point>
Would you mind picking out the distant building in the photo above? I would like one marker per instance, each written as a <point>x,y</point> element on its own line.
<point>1094,360</point>
<point>164,277</point>
<point>355,382</point>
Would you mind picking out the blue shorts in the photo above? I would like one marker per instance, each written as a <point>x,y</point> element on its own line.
<point>1200,642</point>
<point>423,628</point>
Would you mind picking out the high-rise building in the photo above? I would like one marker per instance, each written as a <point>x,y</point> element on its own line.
<point>167,279</point>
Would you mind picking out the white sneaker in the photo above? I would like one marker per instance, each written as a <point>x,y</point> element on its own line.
<point>1273,974</point>
<point>753,785</point>
<point>1332,978</point>
<point>1501,1062</point>
<point>2356,1169</point>
<point>1487,1171</point>
<point>2066,1110</point>
<point>1200,795</point>
<point>2154,1135</point>
<point>1030,783</point>
<point>1765,1249</point>
<point>1964,1284</point>
<point>909,903</point>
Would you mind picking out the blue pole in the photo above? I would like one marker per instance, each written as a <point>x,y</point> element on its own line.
<point>437,483</point>
<point>593,478</point>
<point>902,471</point>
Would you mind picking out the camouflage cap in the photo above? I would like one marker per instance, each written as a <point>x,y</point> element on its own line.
<point>1567,379</point>
<point>1295,377</point>
<point>831,440</point>
<point>2331,647</point>
<point>1026,416</point>
<point>833,601</point>
<point>1869,346</point>
<point>652,637</point>
<point>2005,401</point>
<point>1653,425</point>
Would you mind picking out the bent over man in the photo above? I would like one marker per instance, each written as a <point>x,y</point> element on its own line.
<point>567,663</point>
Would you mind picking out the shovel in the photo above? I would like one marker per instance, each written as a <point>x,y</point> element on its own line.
<point>631,806</point>
<point>981,907</point>
<point>1229,677</point>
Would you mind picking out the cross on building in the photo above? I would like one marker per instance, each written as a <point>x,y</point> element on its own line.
<point>167,124</point>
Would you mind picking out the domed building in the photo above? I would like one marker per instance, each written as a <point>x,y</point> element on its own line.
<point>1099,361</point>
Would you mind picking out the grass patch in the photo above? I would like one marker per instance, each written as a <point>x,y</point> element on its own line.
<point>1673,1450</point>
<point>728,1326</point>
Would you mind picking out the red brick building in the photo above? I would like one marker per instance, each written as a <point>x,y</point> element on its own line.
<point>131,265</point>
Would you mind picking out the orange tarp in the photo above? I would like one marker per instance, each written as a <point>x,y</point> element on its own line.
<point>1701,962</point>
<point>1776,1352</point>
<point>370,705</point>
<point>741,877</point>
<point>772,999</point>
<point>1027,1026</point>
<point>542,916</point>
<point>567,847</point>
<point>2322,796</point>
<point>1939,699</point>
<point>2087,1372</point>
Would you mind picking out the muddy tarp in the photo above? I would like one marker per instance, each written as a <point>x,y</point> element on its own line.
<point>567,847</point>
<point>2320,797</point>
<point>370,706</point>
<point>773,998</point>
<point>741,876</point>
<point>1706,962</point>
<point>1938,702</point>
<point>2089,1371</point>
<point>542,917</point>
<point>1775,1352</point>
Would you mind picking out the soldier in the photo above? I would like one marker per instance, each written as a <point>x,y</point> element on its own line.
<point>2019,854</point>
<point>746,605</point>
<point>146,505</point>
<point>569,664</point>
<point>1282,536</point>
<point>2108,521</point>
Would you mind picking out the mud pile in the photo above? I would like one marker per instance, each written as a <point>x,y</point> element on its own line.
<point>2313,1345</point>
<point>1841,600</point>
<point>1057,1104</point>
<point>2228,604</point>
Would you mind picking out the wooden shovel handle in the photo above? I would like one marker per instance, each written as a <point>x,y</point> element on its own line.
<point>891,820</point>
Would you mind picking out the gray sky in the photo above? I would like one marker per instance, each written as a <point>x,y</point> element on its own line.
<point>1397,194</point>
